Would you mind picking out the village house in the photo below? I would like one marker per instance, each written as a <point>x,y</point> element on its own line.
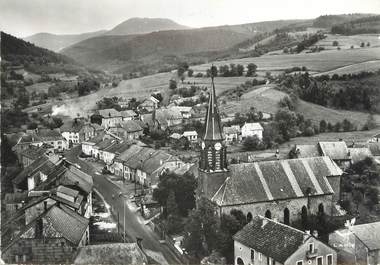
<point>128,115</point>
<point>76,131</point>
<point>267,242</point>
<point>231,133</point>
<point>30,154</point>
<point>14,201</point>
<point>113,149</point>
<point>25,141</point>
<point>192,136</point>
<point>375,138</point>
<point>91,147</point>
<point>52,237</point>
<point>252,129</point>
<point>148,105</point>
<point>128,130</point>
<point>53,138</point>
<point>357,244</point>
<point>186,112</point>
<point>107,118</point>
<point>337,151</point>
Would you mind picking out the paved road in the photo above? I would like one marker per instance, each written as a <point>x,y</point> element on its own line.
<point>133,226</point>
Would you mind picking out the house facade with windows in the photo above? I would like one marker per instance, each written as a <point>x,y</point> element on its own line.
<point>75,132</point>
<point>192,136</point>
<point>357,244</point>
<point>266,242</point>
<point>252,129</point>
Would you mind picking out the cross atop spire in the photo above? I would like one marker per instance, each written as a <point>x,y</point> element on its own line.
<point>213,126</point>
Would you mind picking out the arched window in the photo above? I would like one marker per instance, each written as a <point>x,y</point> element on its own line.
<point>239,261</point>
<point>268,214</point>
<point>304,216</point>
<point>249,217</point>
<point>321,209</point>
<point>286,216</point>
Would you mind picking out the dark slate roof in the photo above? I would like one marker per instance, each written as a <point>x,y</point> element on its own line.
<point>154,162</point>
<point>213,125</point>
<point>33,152</point>
<point>71,225</point>
<point>128,113</point>
<point>335,150</point>
<point>274,180</point>
<point>42,164</point>
<point>106,113</point>
<point>307,150</point>
<point>49,135</point>
<point>118,148</point>
<point>270,238</point>
<point>129,153</point>
<point>131,126</point>
<point>75,177</point>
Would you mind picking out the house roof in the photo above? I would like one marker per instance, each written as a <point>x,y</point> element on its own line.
<point>74,126</point>
<point>17,197</point>
<point>42,164</point>
<point>128,113</point>
<point>231,130</point>
<point>270,238</point>
<point>71,225</point>
<point>374,148</point>
<point>67,191</point>
<point>49,135</point>
<point>33,152</point>
<point>275,180</point>
<point>369,234</point>
<point>175,136</point>
<point>213,125</point>
<point>115,253</point>
<point>131,126</point>
<point>358,154</point>
<point>138,159</point>
<point>189,133</point>
<point>75,177</point>
<point>307,150</point>
<point>117,148</point>
<point>97,127</point>
<point>154,162</point>
<point>130,152</point>
<point>107,113</point>
<point>253,126</point>
<point>336,150</point>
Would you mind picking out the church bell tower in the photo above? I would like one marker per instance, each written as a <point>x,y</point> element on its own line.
<point>213,156</point>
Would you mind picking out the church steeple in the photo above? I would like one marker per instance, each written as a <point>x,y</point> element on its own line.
<point>213,126</point>
<point>214,152</point>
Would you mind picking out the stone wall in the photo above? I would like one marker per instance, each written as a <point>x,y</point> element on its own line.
<point>277,208</point>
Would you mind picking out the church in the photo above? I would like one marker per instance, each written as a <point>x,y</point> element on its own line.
<point>285,190</point>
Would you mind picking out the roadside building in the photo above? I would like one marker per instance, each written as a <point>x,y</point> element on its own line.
<point>149,105</point>
<point>29,155</point>
<point>357,244</point>
<point>232,133</point>
<point>52,237</point>
<point>252,129</point>
<point>186,112</point>
<point>192,136</point>
<point>267,242</point>
<point>108,117</point>
<point>128,115</point>
<point>76,131</point>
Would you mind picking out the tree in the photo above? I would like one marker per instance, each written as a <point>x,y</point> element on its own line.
<point>368,44</point>
<point>190,72</point>
<point>373,197</point>
<point>362,44</point>
<point>335,43</point>
<point>214,71</point>
<point>240,70</point>
<point>171,204</point>
<point>322,126</point>
<point>286,122</point>
<point>251,69</point>
<point>172,84</point>
<point>357,197</point>
<point>347,126</point>
<point>251,143</point>
<point>201,229</point>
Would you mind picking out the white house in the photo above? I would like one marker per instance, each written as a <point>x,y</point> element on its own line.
<point>251,129</point>
<point>192,136</point>
<point>231,133</point>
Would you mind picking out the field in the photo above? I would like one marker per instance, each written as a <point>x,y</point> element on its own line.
<point>315,62</point>
<point>39,87</point>
<point>369,66</point>
<point>345,42</point>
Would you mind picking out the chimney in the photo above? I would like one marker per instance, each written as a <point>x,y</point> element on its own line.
<point>306,235</point>
<point>315,233</point>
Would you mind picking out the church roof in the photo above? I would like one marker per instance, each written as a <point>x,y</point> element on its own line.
<point>275,180</point>
<point>213,126</point>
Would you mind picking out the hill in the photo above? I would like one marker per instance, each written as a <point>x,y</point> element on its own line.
<point>56,42</point>
<point>327,21</point>
<point>157,49</point>
<point>138,25</point>
<point>358,26</point>
<point>18,51</point>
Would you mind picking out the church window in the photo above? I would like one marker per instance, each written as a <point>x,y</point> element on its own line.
<point>329,259</point>
<point>252,255</point>
<point>268,214</point>
<point>249,217</point>
<point>300,262</point>
<point>286,216</point>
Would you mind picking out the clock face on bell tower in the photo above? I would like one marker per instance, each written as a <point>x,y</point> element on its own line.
<point>213,152</point>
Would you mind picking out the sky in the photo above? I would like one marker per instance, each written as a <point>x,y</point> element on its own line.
<point>26,17</point>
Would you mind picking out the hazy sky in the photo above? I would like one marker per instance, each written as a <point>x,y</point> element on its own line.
<point>26,17</point>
